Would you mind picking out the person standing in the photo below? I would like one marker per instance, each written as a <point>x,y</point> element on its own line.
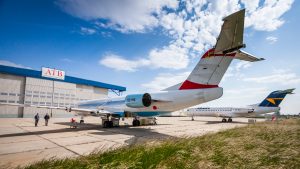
<point>46,117</point>
<point>36,119</point>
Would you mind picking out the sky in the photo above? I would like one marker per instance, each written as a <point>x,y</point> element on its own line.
<point>149,45</point>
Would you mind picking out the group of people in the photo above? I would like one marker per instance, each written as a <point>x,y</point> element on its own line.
<point>37,118</point>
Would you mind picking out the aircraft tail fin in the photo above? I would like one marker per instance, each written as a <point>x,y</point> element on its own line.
<point>212,66</point>
<point>275,98</point>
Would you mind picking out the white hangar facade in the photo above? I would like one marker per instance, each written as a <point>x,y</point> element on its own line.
<point>48,87</point>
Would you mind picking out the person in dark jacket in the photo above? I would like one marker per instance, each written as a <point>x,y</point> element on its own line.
<point>46,117</point>
<point>36,119</point>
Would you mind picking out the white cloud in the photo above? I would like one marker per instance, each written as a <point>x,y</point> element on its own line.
<point>117,62</point>
<point>12,64</point>
<point>268,16</point>
<point>87,31</point>
<point>125,15</point>
<point>170,57</point>
<point>165,80</point>
<point>245,92</point>
<point>235,71</point>
<point>271,39</point>
<point>282,77</point>
<point>193,26</point>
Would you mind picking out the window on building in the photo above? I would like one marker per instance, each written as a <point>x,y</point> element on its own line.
<point>3,101</point>
<point>12,94</point>
<point>5,94</point>
<point>11,101</point>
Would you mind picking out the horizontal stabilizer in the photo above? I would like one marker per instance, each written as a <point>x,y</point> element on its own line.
<point>242,55</point>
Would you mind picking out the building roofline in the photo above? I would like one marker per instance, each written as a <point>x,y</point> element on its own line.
<point>69,79</point>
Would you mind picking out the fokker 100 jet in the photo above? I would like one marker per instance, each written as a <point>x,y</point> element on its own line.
<point>268,105</point>
<point>201,86</point>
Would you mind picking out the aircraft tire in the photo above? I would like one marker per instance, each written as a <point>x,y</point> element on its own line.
<point>105,124</point>
<point>138,122</point>
<point>224,120</point>
<point>230,120</point>
<point>134,123</point>
<point>110,124</point>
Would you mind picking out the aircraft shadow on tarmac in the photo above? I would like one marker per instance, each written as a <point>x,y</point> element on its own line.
<point>217,122</point>
<point>140,135</point>
<point>137,132</point>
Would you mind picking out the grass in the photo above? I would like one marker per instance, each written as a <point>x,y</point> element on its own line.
<point>260,145</point>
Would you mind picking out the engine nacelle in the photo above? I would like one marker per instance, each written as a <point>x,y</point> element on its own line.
<point>138,100</point>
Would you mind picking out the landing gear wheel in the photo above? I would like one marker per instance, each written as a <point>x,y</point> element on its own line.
<point>229,120</point>
<point>105,124</point>
<point>193,119</point>
<point>110,124</point>
<point>224,120</point>
<point>136,122</point>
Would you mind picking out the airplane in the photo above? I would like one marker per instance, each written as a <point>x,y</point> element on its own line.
<point>202,85</point>
<point>268,105</point>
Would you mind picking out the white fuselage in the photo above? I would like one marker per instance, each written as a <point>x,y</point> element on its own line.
<point>169,101</point>
<point>249,111</point>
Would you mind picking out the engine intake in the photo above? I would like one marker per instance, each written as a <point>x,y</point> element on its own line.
<point>138,100</point>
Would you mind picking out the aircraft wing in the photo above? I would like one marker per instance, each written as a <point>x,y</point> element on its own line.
<point>28,105</point>
<point>77,111</point>
<point>231,36</point>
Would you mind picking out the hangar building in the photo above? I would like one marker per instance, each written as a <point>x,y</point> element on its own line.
<point>32,87</point>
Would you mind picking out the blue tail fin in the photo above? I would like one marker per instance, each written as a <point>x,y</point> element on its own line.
<point>275,98</point>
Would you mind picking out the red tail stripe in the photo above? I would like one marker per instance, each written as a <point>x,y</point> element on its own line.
<point>191,85</point>
<point>210,53</point>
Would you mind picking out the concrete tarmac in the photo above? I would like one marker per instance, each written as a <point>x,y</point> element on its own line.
<point>22,144</point>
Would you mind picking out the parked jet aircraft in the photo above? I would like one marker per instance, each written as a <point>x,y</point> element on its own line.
<point>201,86</point>
<point>268,105</point>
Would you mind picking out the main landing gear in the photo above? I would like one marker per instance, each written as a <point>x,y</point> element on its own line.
<point>229,120</point>
<point>109,122</point>
<point>136,122</point>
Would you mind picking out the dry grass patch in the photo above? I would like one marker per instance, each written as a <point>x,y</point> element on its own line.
<point>260,145</point>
